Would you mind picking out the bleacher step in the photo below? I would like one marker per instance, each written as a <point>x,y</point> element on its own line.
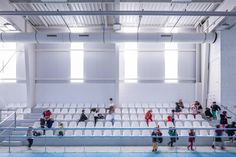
<point>11,143</point>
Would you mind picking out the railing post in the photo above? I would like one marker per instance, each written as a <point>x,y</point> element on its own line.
<point>15,119</point>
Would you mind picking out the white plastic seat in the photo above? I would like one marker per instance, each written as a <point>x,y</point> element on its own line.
<point>140,111</point>
<point>94,105</point>
<point>39,106</point>
<point>159,105</point>
<point>101,105</point>
<point>203,133</point>
<point>135,124</point>
<point>141,117</point>
<point>188,124</point>
<point>117,110</point>
<point>179,124</point>
<point>68,117</point>
<point>90,125</point>
<point>145,105</point>
<point>72,125</point>
<point>80,105</point>
<point>133,117</point>
<point>132,111</point>
<point>78,133</point>
<point>27,110</point>
<point>138,105</point>
<point>60,105</point>
<point>199,117</point>
<point>152,124</point>
<point>125,117</point>
<point>81,125</point>
<point>146,133</point>
<point>107,133</point>
<point>124,105</point>
<point>176,117</point>
<point>76,117</point>
<point>60,117</point>
<point>87,110</point>
<point>87,105</point>
<point>73,105</point>
<point>71,111</point>
<point>108,125</point>
<point>79,110</point>
<point>135,133</point>
<point>165,105</point>
<point>172,105</point>
<point>99,124</point>
<point>161,124</point>
<point>184,132</point>
<point>102,110</point>
<point>155,111</point>
<point>182,117</point>
<point>46,105</point>
<point>116,133</point>
<point>125,124</point>
<point>109,117</point>
<point>69,133</point>
<point>97,133</point>
<point>65,124</point>
<point>205,124</point>
<point>126,133</point>
<point>19,110</point>
<point>49,133</point>
<point>131,105</point>
<point>125,111</point>
<point>143,125</point>
<point>169,124</point>
<point>164,116</point>
<point>196,124</point>
<point>87,133</point>
<point>56,111</point>
<point>152,105</point>
<point>117,117</point>
<point>64,111</point>
<point>36,125</point>
<point>163,111</point>
<point>117,125</point>
<point>169,110</point>
<point>66,105</point>
<point>190,117</point>
<point>53,105</point>
<point>158,117</point>
<point>185,110</point>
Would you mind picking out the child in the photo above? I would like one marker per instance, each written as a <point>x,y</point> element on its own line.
<point>218,134</point>
<point>61,131</point>
<point>194,110</point>
<point>148,116</point>
<point>30,137</point>
<point>191,139</point>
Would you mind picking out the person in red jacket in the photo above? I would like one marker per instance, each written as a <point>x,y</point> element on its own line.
<point>191,139</point>
<point>47,114</point>
<point>148,116</point>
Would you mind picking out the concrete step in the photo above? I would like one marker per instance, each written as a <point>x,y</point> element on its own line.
<point>11,143</point>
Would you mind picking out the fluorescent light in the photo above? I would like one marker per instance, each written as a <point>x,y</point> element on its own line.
<point>9,27</point>
<point>76,29</point>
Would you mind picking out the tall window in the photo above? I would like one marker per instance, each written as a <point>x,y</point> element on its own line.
<point>77,62</point>
<point>130,62</point>
<point>8,62</point>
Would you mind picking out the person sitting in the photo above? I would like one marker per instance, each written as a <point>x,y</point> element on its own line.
<point>194,109</point>
<point>181,104</point>
<point>47,114</point>
<point>224,119</point>
<point>148,116</point>
<point>108,107</point>
<point>83,117</point>
<point>61,130</point>
<point>215,108</point>
<point>177,107</point>
<point>50,123</point>
<point>199,107</point>
<point>208,114</point>
<point>230,132</point>
<point>95,115</point>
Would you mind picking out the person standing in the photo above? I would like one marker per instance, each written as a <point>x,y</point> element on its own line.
<point>30,137</point>
<point>173,136</point>
<point>215,108</point>
<point>148,116</point>
<point>208,114</point>
<point>156,138</point>
<point>218,138</point>
<point>194,109</point>
<point>224,119</point>
<point>191,139</point>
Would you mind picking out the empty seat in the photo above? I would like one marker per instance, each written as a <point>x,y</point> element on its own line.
<point>152,105</point>
<point>117,125</point>
<point>72,125</point>
<point>56,111</point>
<point>87,105</point>
<point>165,105</point>
<point>60,105</point>
<point>90,125</point>
<point>49,133</point>
<point>162,110</point>
<point>138,105</point>
<point>126,125</point>
<point>107,133</point>
<point>97,133</point>
<point>124,105</point>
<point>69,133</point>
<point>117,110</point>
<point>203,133</point>
<point>99,124</point>
<point>152,124</point>
<point>125,110</point>
<point>176,117</point>
<point>80,105</point>
<point>190,117</point>
<point>141,117</point>
<point>102,110</point>
<point>135,124</point>
<point>53,105</point>
<point>126,133</point>
<point>68,117</point>
<point>79,110</point>
<point>161,124</point>
<point>117,117</point>
<point>109,117</point>
<point>143,124</point>
<point>131,105</point>
<point>169,124</point>
<point>39,106</point>
<point>132,111</point>
<point>155,111</point>
<point>108,125</point>
<point>145,105</point>
<point>182,117</point>
<point>87,110</point>
<point>81,125</point>
<point>184,132</point>
<point>78,133</point>
<point>116,133</point>
<point>133,117</point>
<point>185,110</point>
<point>66,105</point>
<point>19,110</point>
<point>60,117</point>
<point>158,117</point>
<point>125,117</point>
<point>135,133</point>
<point>65,124</point>
<point>146,133</point>
<point>73,106</point>
<point>205,124</point>
<point>71,111</point>
<point>46,105</point>
<point>188,124</point>
<point>179,124</point>
<point>87,133</point>
<point>199,117</point>
<point>172,105</point>
<point>159,105</point>
<point>36,125</point>
<point>76,117</point>
<point>140,111</point>
<point>196,124</point>
<point>94,105</point>
<point>27,110</point>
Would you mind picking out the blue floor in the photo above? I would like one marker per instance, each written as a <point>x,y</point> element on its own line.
<point>162,154</point>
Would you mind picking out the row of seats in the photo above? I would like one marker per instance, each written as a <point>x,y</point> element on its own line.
<point>19,110</point>
<point>15,105</point>
<point>125,133</point>
<point>18,116</point>
<point>117,110</point>
<point>132,117</point>
<point>127,124</point>
<point>87,105</point>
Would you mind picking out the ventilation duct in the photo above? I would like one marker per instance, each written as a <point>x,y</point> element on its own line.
<point>107,37</point>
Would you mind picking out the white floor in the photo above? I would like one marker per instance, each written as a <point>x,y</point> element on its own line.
<point>112,149</point>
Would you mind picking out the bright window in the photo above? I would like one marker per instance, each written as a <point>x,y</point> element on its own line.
<point>130,62</point>
<point>77,62</point>
<point>8,62</point>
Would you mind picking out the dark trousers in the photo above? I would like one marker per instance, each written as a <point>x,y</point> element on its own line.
<point>30,142</point>
<point>95,120</point>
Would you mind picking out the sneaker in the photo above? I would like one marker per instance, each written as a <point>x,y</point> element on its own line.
<point>192,149</point>
<point>213,147</point>
<point>153,150</point>
<point>222,148</point>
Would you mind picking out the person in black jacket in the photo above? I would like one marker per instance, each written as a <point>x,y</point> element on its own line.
<point>83,117</point>
<point>208,114</point>
<point>231,132</point>
<point>215,108</point>
<point>224,119</point>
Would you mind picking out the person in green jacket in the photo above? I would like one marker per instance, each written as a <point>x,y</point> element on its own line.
<point>172,132</point>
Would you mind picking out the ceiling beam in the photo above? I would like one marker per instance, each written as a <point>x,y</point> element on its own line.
<point>121,13</point>
<point>112,1</point>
